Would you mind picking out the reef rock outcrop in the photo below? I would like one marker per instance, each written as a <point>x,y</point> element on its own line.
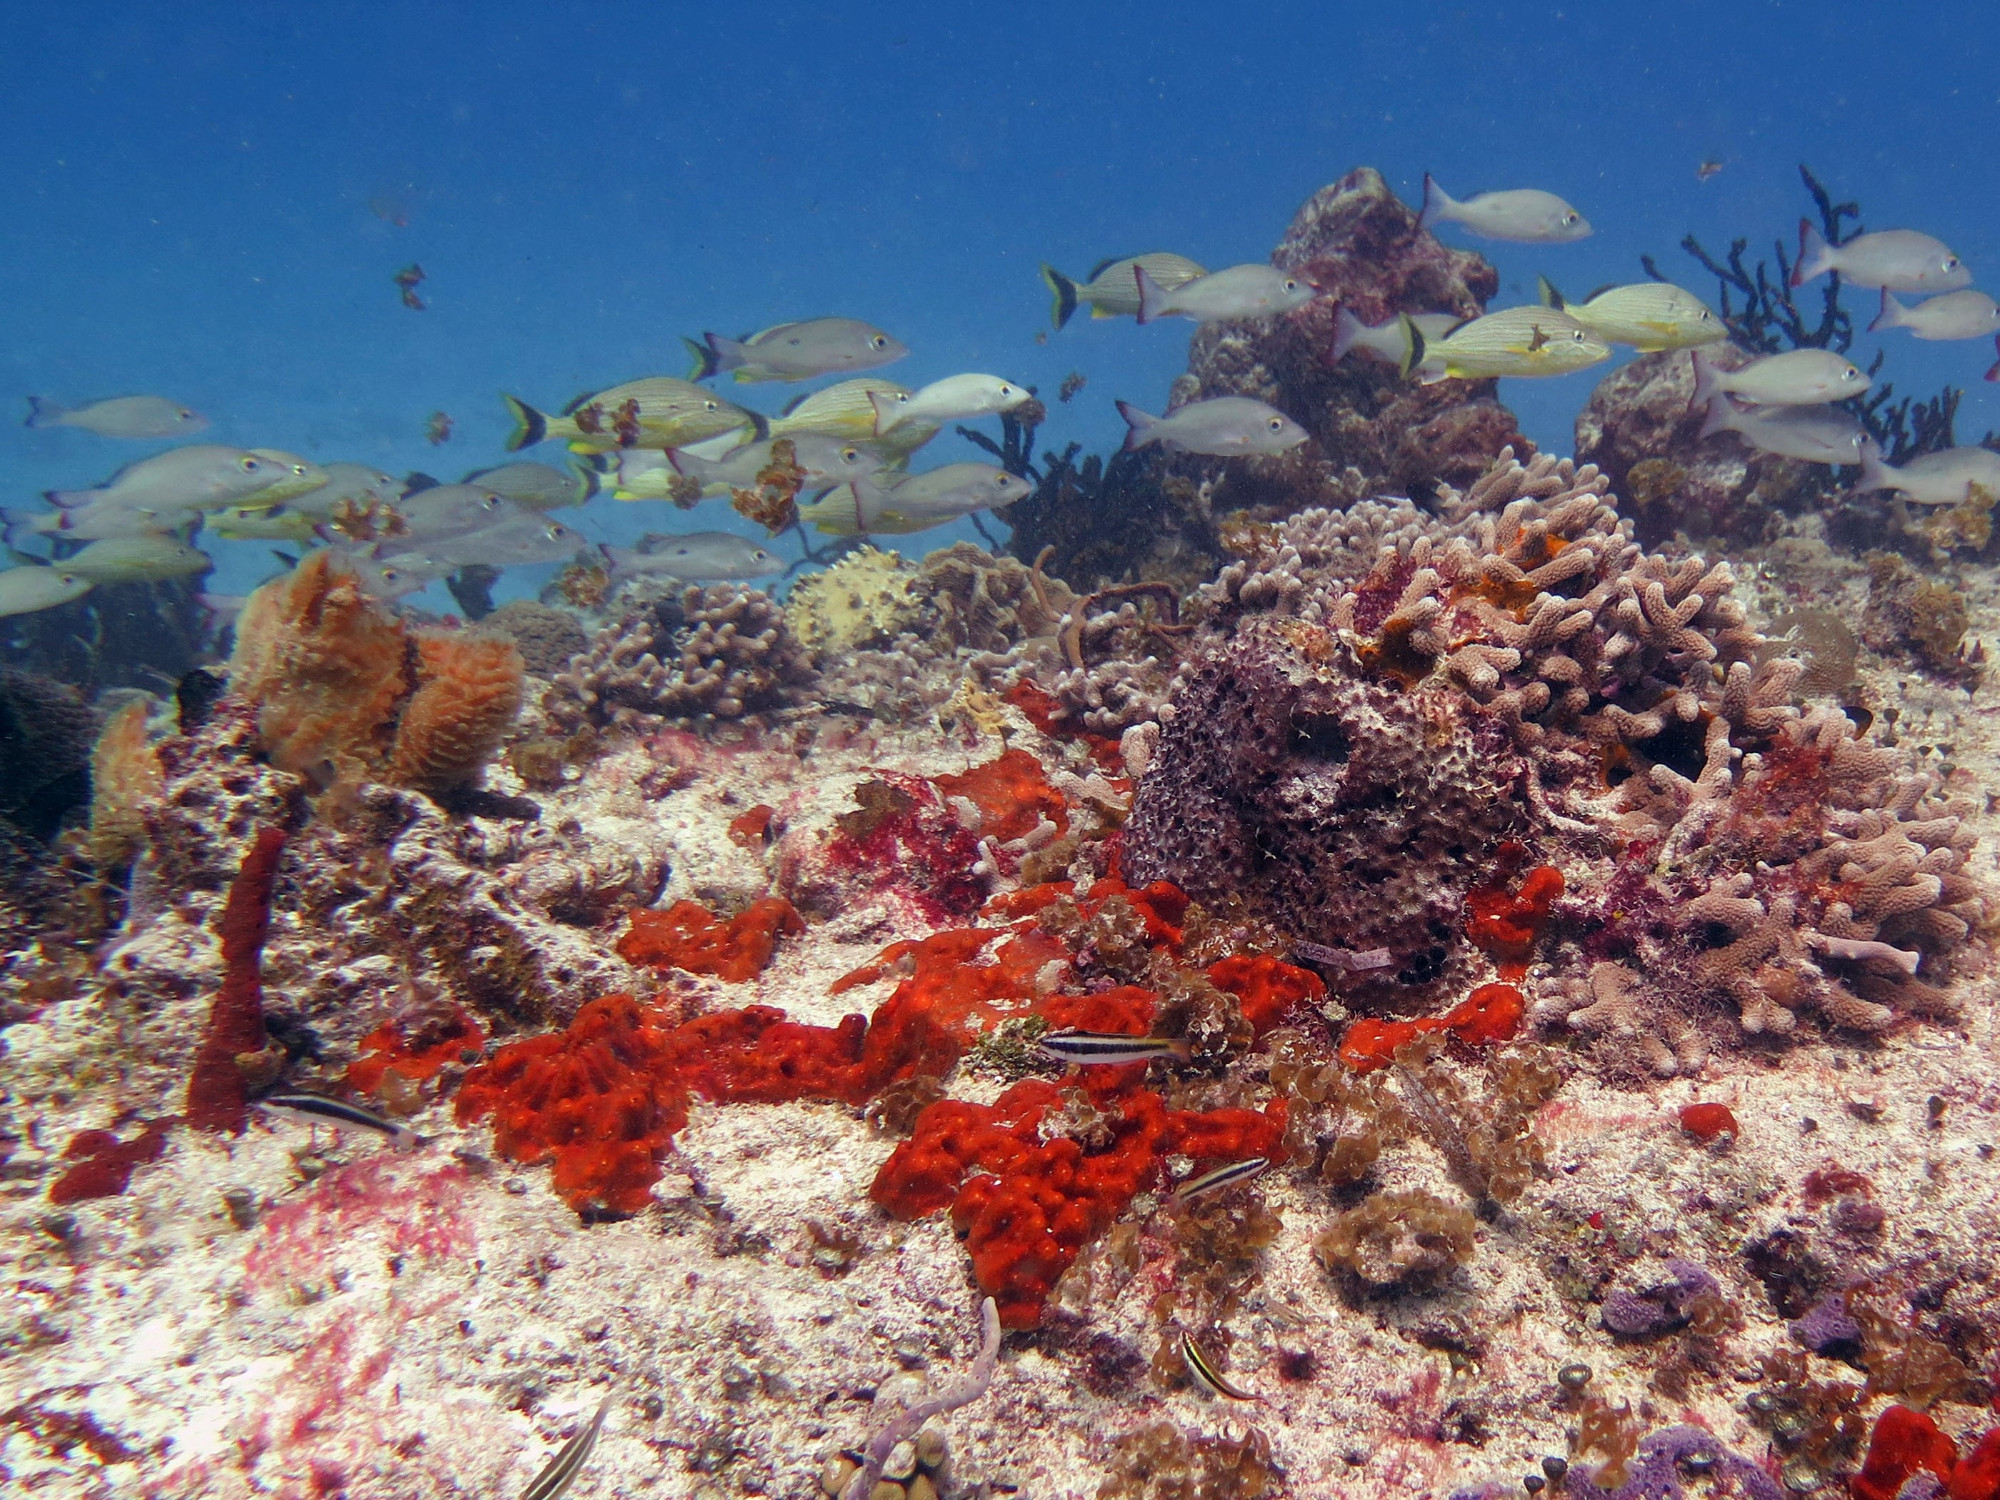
<point>1363,732</point>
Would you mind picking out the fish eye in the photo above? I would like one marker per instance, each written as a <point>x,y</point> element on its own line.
<point>249,465</point>
<point>1951,262</point>
<point>187,416</point>
<point>880,341</point>
<point>1569,218</point>
<point>1276,424</point>
<point>711,406</point>
<point>1291,285</point>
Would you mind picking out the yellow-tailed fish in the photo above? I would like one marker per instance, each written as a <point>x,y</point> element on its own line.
<point>795,351</point>
<point>1112,289</point>
<point>1898,260</point>
<point>1254,290</point>
<point>821,460</point>
<point>949,400</point>
<point>697,557</point>
<point>1225,426</point>
<point>1649,315</point>
<point>1526,216</point>
<point>29,587</point>
<point>357,484</point>
<point>846,411</point>
<point>1798,377</point>
<point>120,417</point>
<point>1390,339</point>
<point>1955,315</point>
<point>1520,341</point>
<point>295,476</point>
<point>201,476</point>
<point>539,486</point>
<point>1943,478</point>
<point>263,523</point>
<point>137,559</point>
<point>658,412</point>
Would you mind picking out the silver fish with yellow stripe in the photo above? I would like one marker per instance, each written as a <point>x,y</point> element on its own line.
<point>657,412</point>
<point>1528,342</point>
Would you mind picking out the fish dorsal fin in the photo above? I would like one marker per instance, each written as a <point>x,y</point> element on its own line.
<point>795,403</point>
<point>1461,323</point>
<point>1609,286</point>
<point>584,400</point>
<point>1546,293</point>
<point>1106,264</point>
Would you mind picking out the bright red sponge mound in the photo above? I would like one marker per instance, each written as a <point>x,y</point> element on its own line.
<point>1505,924</point>
<point>599,1098</point>
<point>1267,989</point>
<point>1491,1013</point>
<point>687,935</point>
<point>604,1097</point>
<point>1031,1205</point>
<point>1904,1442</point>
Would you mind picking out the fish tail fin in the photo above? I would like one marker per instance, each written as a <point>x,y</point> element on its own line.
<point>723,354</point>
<point>610,557</point>
<point>705,361</point>
<point>1717,420</point>
<point>1993,371</point>
<point>530,426</point>
<point>1413,353</point>
<point>1705,378</point>
<point>760,427</point>
<point>592,480</point>
<point>887,414</point>
<point>44,413</point>
<point>1065,295</point>
<point>1152,296</point>
<point>1547,295</point>
<point>18,525</point>
<point>1891,315</point>
<point>68,499</point>
<point>1438,204</point>
<point>1815,256</point>
<point>836,513</point>
<point>1875,474</point>
<point>1346,329</point>
<point>1137,425</point>
<point>870,500</point>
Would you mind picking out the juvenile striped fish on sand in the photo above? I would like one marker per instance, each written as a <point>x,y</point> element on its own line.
<point>1220,1178</point>
<point>323,1109</point>
<point>1207,1376</point>
<point>560,1472</point>
<point>1086,1048</point>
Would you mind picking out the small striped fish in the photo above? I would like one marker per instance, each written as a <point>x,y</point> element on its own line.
<point>1206,1375</point>
<point>1087,1047</point>
<point>1222,1177</point>
<point>329,1111</point>
<point>554,1481</point>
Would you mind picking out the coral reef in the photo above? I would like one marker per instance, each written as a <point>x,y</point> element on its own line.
<point>219,1089</point>
<point>721,651</point>
<point>46,734</point>
<point>1352,756</point>
<point>546,638</point>
<point>687,936</point>
<point>125,778</point>
<point>345,692</point>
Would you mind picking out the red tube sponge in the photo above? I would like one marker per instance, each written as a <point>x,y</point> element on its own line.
<point>218,1096</point>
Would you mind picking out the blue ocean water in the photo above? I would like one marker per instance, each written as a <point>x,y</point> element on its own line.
<point>209,201</point>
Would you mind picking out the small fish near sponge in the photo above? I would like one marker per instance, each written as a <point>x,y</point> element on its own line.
<point>344,691</point>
